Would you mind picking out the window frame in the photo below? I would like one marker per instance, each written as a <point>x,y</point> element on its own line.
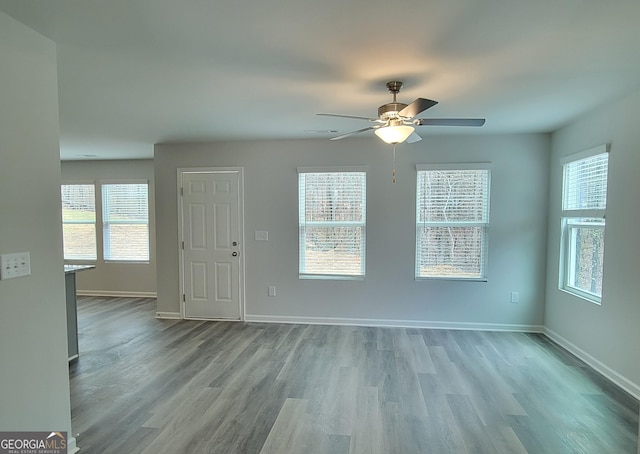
<point>484,259</point>
<point>574,219</point>
<point>96,214</point>
<point>303,224</point>
<point>104,224</point>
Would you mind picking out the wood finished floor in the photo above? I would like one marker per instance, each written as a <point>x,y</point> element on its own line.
<point>143,385</point>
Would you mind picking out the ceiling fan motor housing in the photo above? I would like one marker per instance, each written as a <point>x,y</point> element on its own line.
<point>389,111</point>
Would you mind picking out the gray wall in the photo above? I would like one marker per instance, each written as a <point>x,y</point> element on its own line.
<point>389,293</point>
<point>117,279</point>
<point>34,377</point>
<point>607,335</point>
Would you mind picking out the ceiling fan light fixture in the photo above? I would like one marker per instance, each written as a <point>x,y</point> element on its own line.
<point>394,134</point>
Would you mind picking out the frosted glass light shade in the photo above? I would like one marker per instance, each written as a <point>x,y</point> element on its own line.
<point>394,134</point>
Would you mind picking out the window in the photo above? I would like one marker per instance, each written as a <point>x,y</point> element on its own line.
<point>332,220</point>
<point>584,200</point>
<point>452,214</point>
<point>125,222</point>
<point>79,221</point>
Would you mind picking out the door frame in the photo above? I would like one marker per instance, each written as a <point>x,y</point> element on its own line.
<point>241,265</point>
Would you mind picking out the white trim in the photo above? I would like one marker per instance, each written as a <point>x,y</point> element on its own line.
<point>584,214</point>
<point>223,169</point>
<point>72,448</point>
<point>179,194</point>
<point>594,151</point>
<point>597,365</point>
<point>456,166</point>
<point>329,169</point>
<point>124,181</point>
<point>332,277</point>
<point>68,182</point>
<point>383,323</point>
<point>117,293</point>
<point>451,278</point>
<point>168,315</point>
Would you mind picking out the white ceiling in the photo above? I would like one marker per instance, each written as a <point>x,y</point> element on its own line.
<point>137,72</point>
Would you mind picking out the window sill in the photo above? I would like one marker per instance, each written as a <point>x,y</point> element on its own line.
<point>329,277</point>
<point>126,262</point>
<point>452,278</point>
<point>582,295</point>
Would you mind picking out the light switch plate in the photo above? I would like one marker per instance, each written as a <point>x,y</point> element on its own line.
<point>262,235</point>
<point>15,265</point>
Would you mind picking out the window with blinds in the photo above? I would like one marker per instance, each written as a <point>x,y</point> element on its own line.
<point>584,200</point>
<point>79,222</point>
<point>452,214</point>
<point>125,222</point>
<point>585,184</point>
<point>332,223</point>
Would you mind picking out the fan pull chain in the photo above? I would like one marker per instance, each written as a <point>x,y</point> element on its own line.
<point>393,173</point>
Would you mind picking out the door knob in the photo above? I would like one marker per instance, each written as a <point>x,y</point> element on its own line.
<point>235,254</point>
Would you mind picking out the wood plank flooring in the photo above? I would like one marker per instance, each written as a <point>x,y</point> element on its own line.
<point>143,385</point>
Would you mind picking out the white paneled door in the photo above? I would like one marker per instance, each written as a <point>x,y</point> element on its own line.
<point>211,251</point>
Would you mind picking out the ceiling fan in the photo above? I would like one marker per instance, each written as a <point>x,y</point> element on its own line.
<point>396,121</point>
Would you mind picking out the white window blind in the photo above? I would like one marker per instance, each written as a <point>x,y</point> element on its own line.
<point>125,221</point>
<point>452,213</point>
<point>584,200</point>
<point>585,184</point>
<point>332,220</point>
<point>79,221</point>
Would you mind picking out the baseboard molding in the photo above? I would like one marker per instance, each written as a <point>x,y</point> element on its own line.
<point>72,448</point>
<point>168,315</point>
<point>393,323</point>
<point>613,376</point>
<point>117,294</point>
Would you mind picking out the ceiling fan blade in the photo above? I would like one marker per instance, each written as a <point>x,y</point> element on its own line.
<point>342,136</point>
<point>417,106</point>
<point>413,138</point>
<point>449,121</point>
<point>348,116</point>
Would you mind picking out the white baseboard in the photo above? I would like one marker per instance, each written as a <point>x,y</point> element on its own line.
<point>393,323</point>
<point>613,376</point>
<point>117,294</point>
<point>168,315</point>
<point>71,445</point>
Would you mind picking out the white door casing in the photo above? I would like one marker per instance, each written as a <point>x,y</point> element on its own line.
<point>212,271</point>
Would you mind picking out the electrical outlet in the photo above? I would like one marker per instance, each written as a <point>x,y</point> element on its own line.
<point>15,265</point>
<point>272,290</point>
<point>515,297</point>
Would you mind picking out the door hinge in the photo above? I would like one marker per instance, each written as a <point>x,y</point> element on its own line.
<point>183,245</point>
<point>181,190</point>
<point>184,298</point>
